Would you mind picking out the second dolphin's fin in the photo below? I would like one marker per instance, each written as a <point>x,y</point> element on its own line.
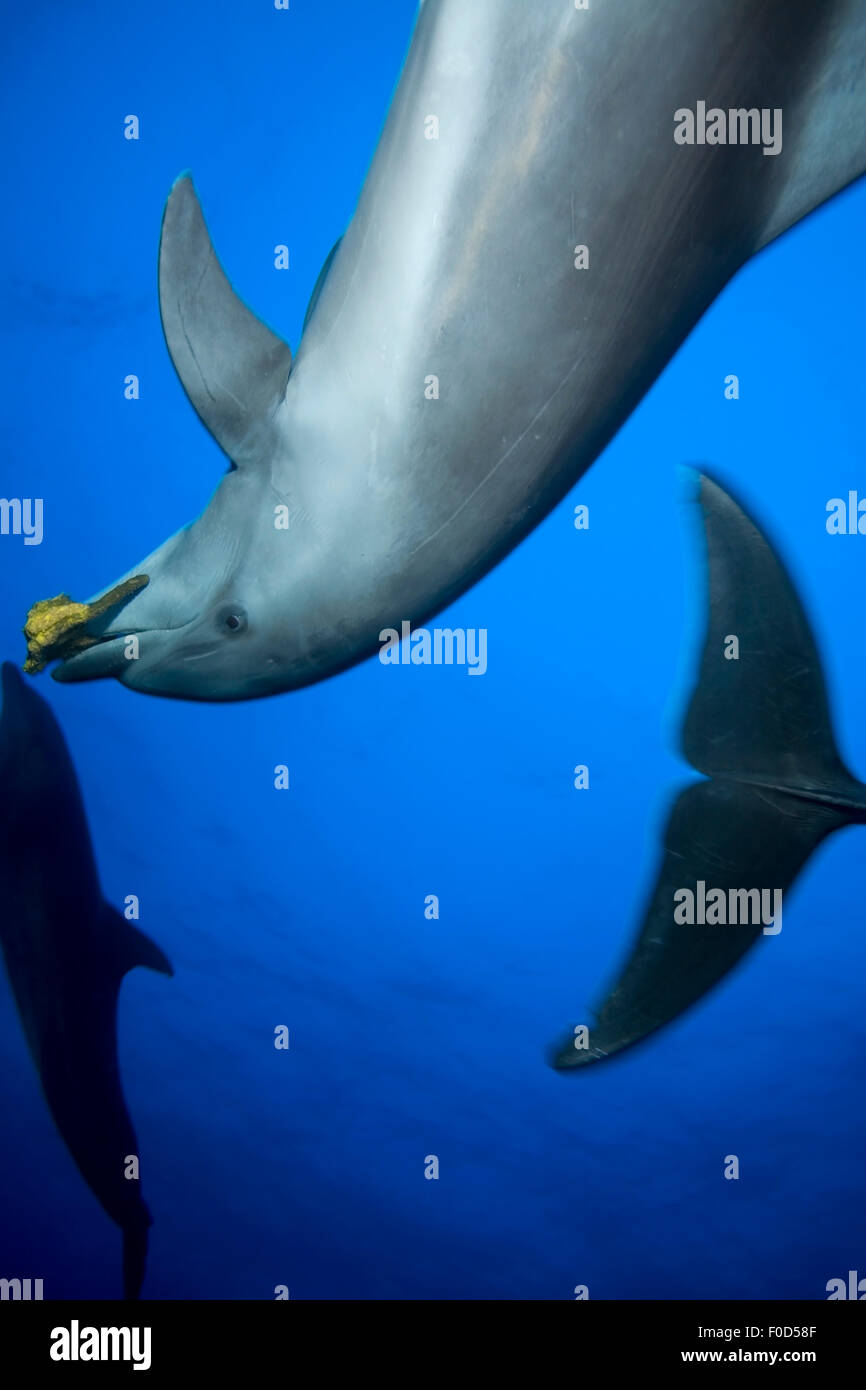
<point>759,725</point>
<point>730,837</point>
<point>232,367</point>
<point>130,946</point>
<point>763,714</point>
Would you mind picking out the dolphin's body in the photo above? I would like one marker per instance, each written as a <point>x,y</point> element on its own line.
<point>758,726</point>
<point>66,953</point>
<point>555,131</point>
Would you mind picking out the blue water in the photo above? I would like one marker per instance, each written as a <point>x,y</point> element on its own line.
<point>306,908</point>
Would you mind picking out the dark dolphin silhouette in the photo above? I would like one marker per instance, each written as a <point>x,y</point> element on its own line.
<point>759,729</point>
<point>66,953</point>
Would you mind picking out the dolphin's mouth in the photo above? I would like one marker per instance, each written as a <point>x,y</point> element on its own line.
<point>107,656</point>
<point>59,629</point>
<point>112,654</point>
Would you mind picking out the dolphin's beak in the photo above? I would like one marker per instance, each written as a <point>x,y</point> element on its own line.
<point>107,657</point>
<point>59,627</point>
<point>91,640</point>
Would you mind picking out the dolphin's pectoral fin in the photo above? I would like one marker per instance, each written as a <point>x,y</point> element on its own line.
<point>758,723</point>
<point>131,947</point>
<point>55,628</point>
<point>232,367</point>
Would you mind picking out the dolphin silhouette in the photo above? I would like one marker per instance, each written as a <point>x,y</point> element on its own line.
<point>533,242</point>
<point>66,953</point>
<point>758,726</point>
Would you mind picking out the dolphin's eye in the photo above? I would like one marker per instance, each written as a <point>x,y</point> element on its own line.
<point>232,618</point>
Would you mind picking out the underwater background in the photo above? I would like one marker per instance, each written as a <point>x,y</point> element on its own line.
<point>305,908</point>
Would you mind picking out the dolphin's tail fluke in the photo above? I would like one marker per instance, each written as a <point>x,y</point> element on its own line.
<point>135,1241</point>
<point>758,725</point>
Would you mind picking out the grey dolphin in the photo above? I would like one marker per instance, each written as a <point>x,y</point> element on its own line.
<point>464,361</point>
<point>66,953</point>
<point>759,728</point>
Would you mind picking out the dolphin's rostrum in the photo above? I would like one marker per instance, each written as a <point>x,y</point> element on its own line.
<point>66,953</point>
<point>758,727</point>
<point>531,246</point>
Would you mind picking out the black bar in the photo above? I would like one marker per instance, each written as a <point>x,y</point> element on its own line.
<point>222,1338</point>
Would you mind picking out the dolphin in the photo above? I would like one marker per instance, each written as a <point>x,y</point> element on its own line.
<point>66,953</point>
<point>536,237</point>
<point>758,727</point>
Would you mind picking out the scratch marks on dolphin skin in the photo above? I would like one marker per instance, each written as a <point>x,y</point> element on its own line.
<point>499,462</point>
<point>202,377</point>
<point>511,164</point>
